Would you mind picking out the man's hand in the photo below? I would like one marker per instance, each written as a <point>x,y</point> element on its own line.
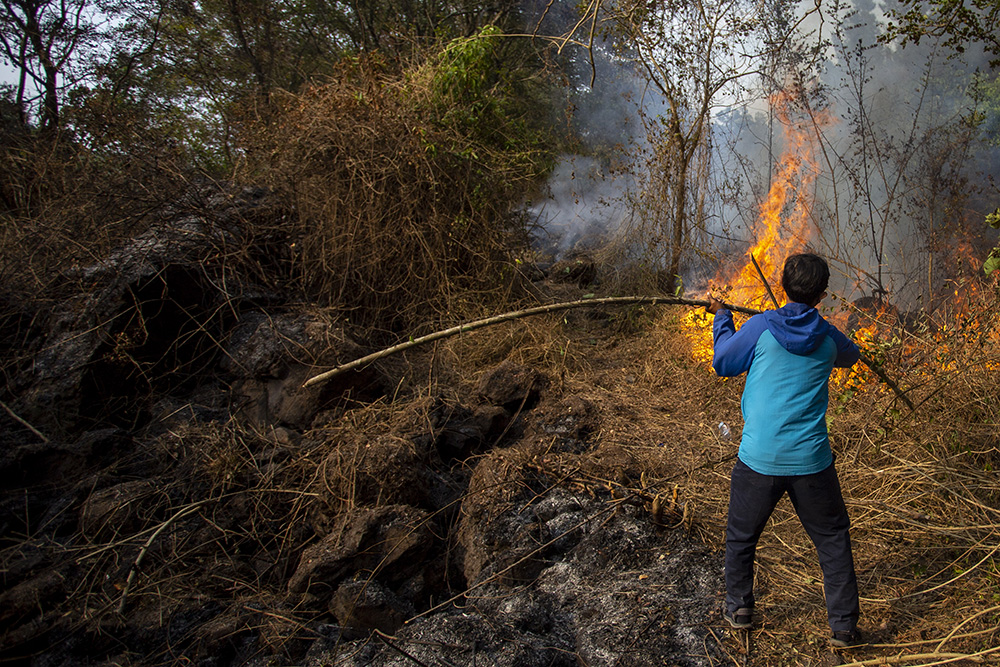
<point>714,305</point>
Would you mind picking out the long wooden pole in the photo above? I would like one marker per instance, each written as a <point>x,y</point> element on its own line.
<point>506,317</point>
<point>556,307</point>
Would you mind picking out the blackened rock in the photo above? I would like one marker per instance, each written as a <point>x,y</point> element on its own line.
<point>389,543</point>
<point>37,462</point>
<point>471,432</point>
<point>495,541</point>
<point>121,509</point>
<point>271,357</point>
<point>27,599</point>
<point>384,469</point>
<point>147,319</point>
<point>455,638</point>
<point>512,386</point>
<point>572,418</point>
<point>366,605</point>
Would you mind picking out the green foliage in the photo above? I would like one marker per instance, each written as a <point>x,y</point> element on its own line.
<point>466,69</point>
<point>960,23</point>
<point>985,91</point>
<point>993,219</point>
<point>992,262</point>
<point>484,87</point>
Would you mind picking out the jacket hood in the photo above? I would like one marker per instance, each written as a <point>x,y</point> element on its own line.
<point>797,327</point>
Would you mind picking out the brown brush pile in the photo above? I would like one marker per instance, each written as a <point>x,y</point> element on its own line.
<point>64,204</point>
<point>402,216</point>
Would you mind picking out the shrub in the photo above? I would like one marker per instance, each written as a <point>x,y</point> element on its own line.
<point>404,188</point>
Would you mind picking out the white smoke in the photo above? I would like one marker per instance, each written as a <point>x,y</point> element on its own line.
<point>583,206</point>
<point>879,220</point>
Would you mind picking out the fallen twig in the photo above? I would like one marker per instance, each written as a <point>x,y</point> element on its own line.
<point>385,639</point>
<point>958,627</point>
<point>937,658</point>
<point>145,547</point>
<point>873,367</point>
<point>23,423</point>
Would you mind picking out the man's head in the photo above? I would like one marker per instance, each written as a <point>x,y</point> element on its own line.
<point>805,278</point>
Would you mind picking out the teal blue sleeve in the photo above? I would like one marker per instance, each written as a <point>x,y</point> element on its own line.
<point>734,350</point>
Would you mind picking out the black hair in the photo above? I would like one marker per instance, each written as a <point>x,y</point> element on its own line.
<point>805,277</point>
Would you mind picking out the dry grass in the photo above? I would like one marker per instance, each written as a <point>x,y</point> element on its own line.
<point>921,486</point>
<point>238,506</point>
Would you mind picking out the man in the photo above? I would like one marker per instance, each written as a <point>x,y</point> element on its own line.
<point>788,355</point>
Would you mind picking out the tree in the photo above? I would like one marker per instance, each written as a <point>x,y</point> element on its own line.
<point>690,54</point>
<point>40,38</point>
<point>959,23</point>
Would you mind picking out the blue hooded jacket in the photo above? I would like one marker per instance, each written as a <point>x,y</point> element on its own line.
<point>787,355</point>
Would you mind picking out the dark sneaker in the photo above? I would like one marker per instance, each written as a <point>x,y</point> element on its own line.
<point>741,619</point>
<point>846,639</point>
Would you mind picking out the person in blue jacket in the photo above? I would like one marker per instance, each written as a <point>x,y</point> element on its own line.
<point>788,355</point>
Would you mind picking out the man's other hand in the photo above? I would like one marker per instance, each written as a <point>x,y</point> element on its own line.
<point>714,305</point>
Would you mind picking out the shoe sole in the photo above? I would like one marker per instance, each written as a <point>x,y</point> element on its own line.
<point>839,643</point>
<point>738,626</point>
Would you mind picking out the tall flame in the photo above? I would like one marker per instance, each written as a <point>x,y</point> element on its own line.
<point>782,228</point>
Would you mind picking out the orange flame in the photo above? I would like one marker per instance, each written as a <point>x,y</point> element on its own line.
<point>784,224</point>
<point>961,331</point>
<point>782,228</point>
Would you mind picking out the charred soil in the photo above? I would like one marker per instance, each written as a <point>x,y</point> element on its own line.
<point>545,492</point>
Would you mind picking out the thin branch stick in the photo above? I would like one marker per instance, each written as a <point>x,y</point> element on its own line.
<point>767,285</point>
<point>870,363</point>
<point>142,552</point>
<point>24,423</point>
<point>862,356</point>
<point>506,317</point>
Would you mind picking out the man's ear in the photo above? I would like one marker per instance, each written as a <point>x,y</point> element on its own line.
<point>820,298</point>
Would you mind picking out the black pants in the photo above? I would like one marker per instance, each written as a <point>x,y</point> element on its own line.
<point>820,505</point>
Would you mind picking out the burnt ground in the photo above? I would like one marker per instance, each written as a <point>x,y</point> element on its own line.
<point>544,492</point>
<point>512,527</point>
<point>172,494</point>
